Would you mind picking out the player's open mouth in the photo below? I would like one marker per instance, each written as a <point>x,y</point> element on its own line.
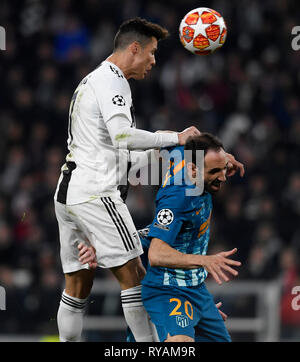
<point>216,185</point>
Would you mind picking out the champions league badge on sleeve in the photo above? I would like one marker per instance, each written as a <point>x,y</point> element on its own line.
<point>118,100</point>
<point>165,217</point>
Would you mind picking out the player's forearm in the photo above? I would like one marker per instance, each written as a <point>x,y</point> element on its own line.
<point>124,136</point>
<point>163,255</point>
<point>135,139</point>
<point>144,158</point>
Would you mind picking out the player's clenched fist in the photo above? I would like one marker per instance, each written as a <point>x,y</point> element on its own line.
<point>217,265</point>
<point>188,132</point>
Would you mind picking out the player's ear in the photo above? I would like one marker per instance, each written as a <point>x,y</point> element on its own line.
<point>134,47</point>
<point>191,169</point>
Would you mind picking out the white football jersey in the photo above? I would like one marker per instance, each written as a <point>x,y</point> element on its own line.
<point>94,167</point>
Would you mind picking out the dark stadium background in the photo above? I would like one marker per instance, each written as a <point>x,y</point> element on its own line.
<point>247,93</point>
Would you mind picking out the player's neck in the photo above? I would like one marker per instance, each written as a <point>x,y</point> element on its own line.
<point>122,62</point>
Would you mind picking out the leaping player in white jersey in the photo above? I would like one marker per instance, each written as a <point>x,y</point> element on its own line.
<point>88,201</point>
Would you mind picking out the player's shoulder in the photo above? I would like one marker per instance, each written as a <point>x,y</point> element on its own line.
<point>109,75</point>
<point>171,196</point>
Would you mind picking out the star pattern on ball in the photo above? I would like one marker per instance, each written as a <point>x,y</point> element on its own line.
<point>165,217</point>
<point>202,31</point>
<point>119,100</point>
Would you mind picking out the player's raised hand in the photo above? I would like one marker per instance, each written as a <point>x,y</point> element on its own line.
<point>87,255</point>
<point>234,166</point>
<point>219,265</point>
<point>188,132</point>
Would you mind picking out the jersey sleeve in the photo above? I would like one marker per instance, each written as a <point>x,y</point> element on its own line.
<point>113,95</point>
<point>122,135</point>
<point>167,221</point>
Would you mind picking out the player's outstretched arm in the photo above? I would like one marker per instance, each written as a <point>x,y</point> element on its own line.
<point>184,135</point>
<point>162,254</point>
<point>127,137</point>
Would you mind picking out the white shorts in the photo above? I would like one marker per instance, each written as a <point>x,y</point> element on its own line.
<point>108,226</point>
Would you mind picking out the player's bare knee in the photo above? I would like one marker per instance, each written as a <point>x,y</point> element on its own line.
<point>138,272</point>
<point>179,338</point>
<point>141,271</point>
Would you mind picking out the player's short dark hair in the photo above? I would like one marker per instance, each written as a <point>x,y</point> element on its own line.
<point>138,29</point>
<point>206,141</point>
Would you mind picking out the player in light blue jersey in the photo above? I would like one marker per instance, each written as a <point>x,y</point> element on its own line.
<point>176,242</point>
<point>173,290</point>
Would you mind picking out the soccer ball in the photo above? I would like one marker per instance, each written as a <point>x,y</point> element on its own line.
<point>202,31</point>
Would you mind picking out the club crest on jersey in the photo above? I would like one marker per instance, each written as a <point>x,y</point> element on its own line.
<point>165,217</point>
<point>118,100</point>
<point>182,321</point>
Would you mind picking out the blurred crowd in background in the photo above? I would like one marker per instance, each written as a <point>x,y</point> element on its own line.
<point>247,93</point>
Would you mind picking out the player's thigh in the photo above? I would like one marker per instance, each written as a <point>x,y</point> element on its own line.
<point>212,327</point>
<point>110,229</point>
<point>130,274</point>
<point>172,314</point>
<point>70,236</point>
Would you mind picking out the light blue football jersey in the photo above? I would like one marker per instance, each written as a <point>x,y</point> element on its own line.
<point>183,222</point>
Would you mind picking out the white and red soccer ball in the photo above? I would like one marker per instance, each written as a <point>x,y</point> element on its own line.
<point>202,31</point>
